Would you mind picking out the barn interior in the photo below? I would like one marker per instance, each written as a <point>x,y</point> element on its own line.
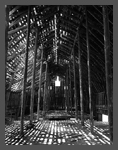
<point>58,74</point>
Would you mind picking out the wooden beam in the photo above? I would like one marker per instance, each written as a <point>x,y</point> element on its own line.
<point>80,82</point>
<point>69,92</point>
<point>109,92</point>
<point>68,103</point>
<point>25,75</point>
<point>17,29</point>
<point>6,48</point>
<point>69,23</point>
<point>33,78</point>
<point>65,102</point>
<point>67,85</point>
<point>45,91</point>
<point>75,86</point>
<point>63,94</point>
<point>74,42</point>
<point>70,89</point>
<point>66,90</point>
<point>14,9</point>
<point>89,74</point>
<point>49,94</point>
<point>40,81</point>
<point>18,18</point>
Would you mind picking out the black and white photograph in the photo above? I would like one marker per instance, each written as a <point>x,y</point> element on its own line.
<point>58,75</point>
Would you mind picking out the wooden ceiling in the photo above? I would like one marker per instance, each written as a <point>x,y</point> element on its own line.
<point>57,29</point>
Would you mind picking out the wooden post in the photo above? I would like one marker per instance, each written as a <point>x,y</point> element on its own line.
<point>25,74</point>
<point>67,85</point>
<point>6,35</point>
<point>75,87</point>
<point>70,90</point>
<point>66,99</point>
<point>65,93</point>
<point>89,77</point>
<point>33,78</point>
<point>6,50</point>
<point>40,80</point>
<point>109,93</point>
<point>6,30</point>
<point>62,94</point>
<point>54,96</point>
<point>68,96</point>
<point>49,94</point>
<point>50,91</point>
<point>80,83</point>
<point>45,90</point>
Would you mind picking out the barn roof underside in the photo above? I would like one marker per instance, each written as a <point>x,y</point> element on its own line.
<point>57,28</point>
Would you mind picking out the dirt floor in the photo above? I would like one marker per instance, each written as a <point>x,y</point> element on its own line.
<point>57,132</point>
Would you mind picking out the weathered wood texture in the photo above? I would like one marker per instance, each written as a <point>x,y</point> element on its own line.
<point>80,82</point>
<point>70,90</point>
<point>108,70</point>
<point>33,77</point>
<point>53,132</point>
<point>89,72</point>
<point>25,72</point>
<point>40,81</point>
<point>45,89</point>
<point>75,86</point>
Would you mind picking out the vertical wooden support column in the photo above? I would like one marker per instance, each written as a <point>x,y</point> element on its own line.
<point>75,87</point>
<point>108,71</point>
<point>33,78</point>
<point>40,81</point>
<point>53,99</point>
<point>62,84</point>
<point>67,83</point>
<point>45,91</point>
<point>6,35</point>
<point>65,92</point>
<point>63,96</point>
<point>68,96</point>
<point>49,93</point>
<point>70,89</point>
<point>6,50</point>
<point>25,74</point>
<point>80,83</point>
<point>89,78</point>
<point>53,96</point>
<point>6,29</point>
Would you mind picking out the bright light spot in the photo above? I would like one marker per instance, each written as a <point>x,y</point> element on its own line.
<point>104,118</point>
<point>57,82</point>
<point>59,140</point>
